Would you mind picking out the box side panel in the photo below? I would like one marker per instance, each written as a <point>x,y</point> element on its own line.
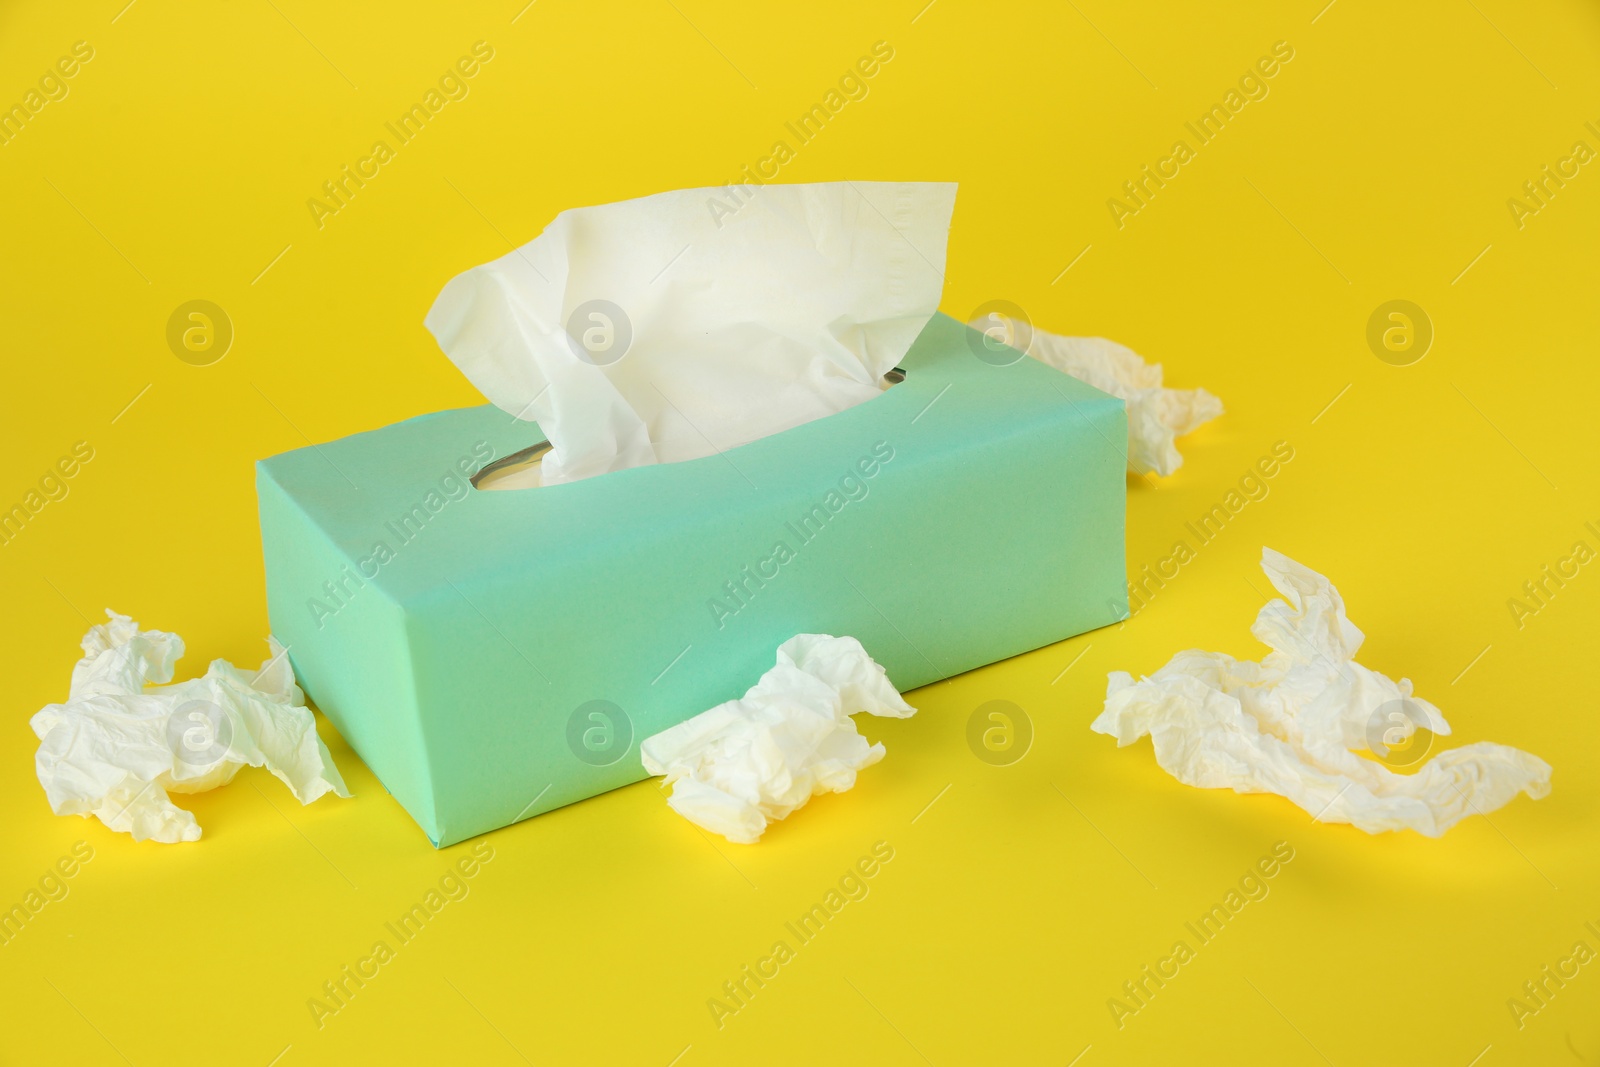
<point>347,646</point>
<point>956,550</point>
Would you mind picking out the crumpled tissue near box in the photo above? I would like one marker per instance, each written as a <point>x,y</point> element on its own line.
<point>123,739</point>
<point>1294,723</point>
<point>744,763</point>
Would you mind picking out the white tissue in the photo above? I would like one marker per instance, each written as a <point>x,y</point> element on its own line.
<point>1287,725</point>
<point>1157,416</point>
<point>115,749</point>
<point>741,764</point>
<point>735,321</point>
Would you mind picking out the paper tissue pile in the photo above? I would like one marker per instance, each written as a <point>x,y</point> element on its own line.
<point>1157,416</point>
<point>1288,724</point>
<point>749,761</point>
<point>653,330</point>
<point>116,748</point>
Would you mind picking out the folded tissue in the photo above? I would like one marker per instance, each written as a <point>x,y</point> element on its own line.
<point>1157,416</point>
<point>744,763</point>
<point>1288,724</point>
<point>116,748</point>
<point>657,330</point>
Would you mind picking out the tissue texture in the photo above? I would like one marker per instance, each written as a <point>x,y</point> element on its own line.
<point>116,748</point>
<point>1287,725</point>
<point>686,323</point>
<point>741,764</point>
<point>1157,416</point>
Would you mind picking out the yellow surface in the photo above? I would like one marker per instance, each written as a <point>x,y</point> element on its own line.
<point>1019,898</point>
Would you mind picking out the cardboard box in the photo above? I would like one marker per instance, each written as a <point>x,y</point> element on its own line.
<point>492,655</point>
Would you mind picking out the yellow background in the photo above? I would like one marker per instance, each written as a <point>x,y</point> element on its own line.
<point>1379,167</point>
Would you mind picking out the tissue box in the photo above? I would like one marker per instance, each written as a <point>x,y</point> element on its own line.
<point>492,655</point>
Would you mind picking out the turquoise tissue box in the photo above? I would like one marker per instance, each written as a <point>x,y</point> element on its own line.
<point>492,655</point>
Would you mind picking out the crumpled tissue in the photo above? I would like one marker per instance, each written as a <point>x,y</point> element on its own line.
<point>752,760</point>
<point>678,325</point>
<point>1288,724</point>
<point>1157,416</point>
<point>116,748</point>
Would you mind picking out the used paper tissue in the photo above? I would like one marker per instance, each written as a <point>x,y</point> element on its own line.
<point>116,748</point>
<point>752,760</point>
<point>1157,416</point>
<point>655,330</point>
<point>1288,724</point>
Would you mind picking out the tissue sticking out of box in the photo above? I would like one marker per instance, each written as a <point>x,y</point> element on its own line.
<point>1157,416</point>
<point>669,328</point>
<point>1287,725</point>
<point>116,748</point>
<point>749,761</point>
